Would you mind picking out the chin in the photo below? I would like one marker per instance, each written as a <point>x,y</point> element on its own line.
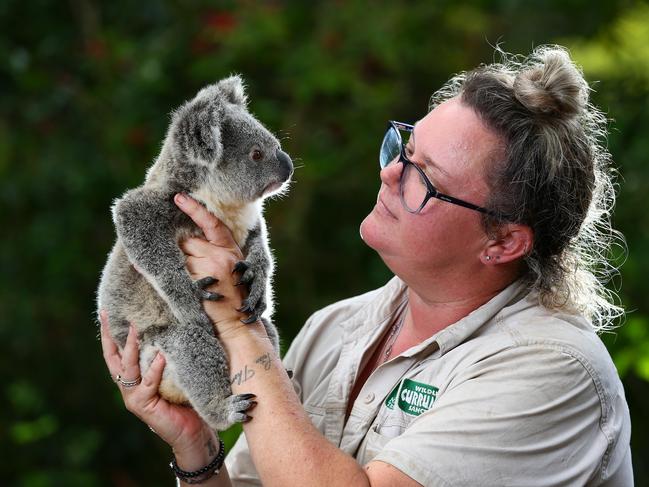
<point>373,233</point>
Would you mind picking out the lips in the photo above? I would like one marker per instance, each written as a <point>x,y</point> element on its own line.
<point>383,207</point>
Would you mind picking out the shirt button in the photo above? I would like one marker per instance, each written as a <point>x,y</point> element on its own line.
<point>369,398</point>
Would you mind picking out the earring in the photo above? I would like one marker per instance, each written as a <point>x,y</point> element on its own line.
<point>488,257</point>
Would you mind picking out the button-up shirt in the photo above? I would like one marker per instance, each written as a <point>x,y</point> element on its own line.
<point>512,394</point>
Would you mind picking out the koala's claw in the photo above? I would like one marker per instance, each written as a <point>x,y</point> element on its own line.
<point>253,275</point>
<point>241,266</point>
<point>250,319</point>
<point>240,404</point>
<point>233,409</point>
<point>206,281</point>
<point>246,307</point>
<point>247,274</point>
<point>201,284</point>
<point>210,296</point>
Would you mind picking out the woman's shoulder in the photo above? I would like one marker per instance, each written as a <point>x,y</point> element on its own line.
<point>553,343</point>
<point>346,308</point>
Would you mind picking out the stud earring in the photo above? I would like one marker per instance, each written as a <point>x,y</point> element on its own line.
<point>488,257</point>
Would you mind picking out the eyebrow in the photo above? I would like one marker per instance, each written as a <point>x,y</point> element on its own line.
<point>427,160</point>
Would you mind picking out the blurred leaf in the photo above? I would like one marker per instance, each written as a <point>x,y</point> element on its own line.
<point>81,446</point>
<point>31,431</point>
<point>25,397</point>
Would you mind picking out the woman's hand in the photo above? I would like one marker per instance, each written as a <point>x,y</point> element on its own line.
<point>215,256</point>
<point>179,426</point>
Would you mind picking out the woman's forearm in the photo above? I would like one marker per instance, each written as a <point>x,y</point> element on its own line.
<point>285,446</point>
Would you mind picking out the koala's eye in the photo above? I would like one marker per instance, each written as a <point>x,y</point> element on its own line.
<point>257,155</point>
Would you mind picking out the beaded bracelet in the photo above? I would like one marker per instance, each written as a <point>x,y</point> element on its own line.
<point>202,474</point>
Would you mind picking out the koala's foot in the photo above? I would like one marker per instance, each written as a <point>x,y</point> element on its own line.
<point>223,413</point>
<point>201,284</point>
<point>255,278</point>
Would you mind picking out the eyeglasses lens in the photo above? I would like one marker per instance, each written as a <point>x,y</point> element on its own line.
<point>413,188</point>
<point>390,148</point>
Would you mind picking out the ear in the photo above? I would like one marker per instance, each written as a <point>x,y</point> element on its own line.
<point>207,131</point>
<point>233,89</point>
<point>197,130</point>
<point>514,241</point>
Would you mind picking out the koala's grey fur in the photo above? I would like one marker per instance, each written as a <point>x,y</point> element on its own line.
<point>218,153</point>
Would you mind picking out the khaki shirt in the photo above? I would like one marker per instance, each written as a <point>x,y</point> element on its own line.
<point>512,394</point>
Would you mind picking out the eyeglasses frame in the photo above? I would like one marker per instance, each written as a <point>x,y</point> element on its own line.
<point>431,190</point>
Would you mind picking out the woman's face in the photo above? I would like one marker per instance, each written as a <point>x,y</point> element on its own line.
<point>453,146</point>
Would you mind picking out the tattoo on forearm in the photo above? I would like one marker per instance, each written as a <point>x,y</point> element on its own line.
<point>248,373</point>
<point>242,376</point>
<point>264,360</point>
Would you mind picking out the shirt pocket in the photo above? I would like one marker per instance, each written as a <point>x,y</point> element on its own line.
<point>391,427</point>
<point>391,422</point>
<point>371,446</point>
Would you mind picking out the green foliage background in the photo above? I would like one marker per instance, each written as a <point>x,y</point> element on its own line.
<point>86,88</point>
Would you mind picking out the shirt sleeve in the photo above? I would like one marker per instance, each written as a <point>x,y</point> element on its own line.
<point>529,415</point>
<point>241,470</point>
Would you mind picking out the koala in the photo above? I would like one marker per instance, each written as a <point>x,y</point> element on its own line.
<point>221,155</point>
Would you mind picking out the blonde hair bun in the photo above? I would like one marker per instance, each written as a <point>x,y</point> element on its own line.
<point>552,84</point>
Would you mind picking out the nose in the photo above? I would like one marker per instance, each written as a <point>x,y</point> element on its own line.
<point>285,164</point>
<point>391,174</point>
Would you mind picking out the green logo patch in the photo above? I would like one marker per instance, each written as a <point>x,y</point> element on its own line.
<point>392,397</point>
<point>412,397</point>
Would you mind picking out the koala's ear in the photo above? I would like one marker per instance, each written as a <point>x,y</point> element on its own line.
<point>233,89</point>
<point>197,130</point>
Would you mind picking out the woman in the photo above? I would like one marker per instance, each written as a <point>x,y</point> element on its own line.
<point>478,363</point>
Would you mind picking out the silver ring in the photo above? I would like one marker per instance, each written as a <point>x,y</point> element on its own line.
<point>128,383</point>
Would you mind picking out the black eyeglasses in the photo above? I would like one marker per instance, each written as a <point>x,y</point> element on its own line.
<point>415,187</point>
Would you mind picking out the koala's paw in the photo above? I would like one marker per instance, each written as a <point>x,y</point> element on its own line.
<point>254,277</point>
<point>233,409</point>
<point>201,284</point>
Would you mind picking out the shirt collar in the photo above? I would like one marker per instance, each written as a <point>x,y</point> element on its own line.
<point>377,314</point>
<point>455,334</point>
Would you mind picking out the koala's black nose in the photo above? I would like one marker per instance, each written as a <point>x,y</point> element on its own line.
<point>285,164</point>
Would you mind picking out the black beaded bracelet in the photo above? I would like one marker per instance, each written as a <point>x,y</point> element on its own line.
<point>202,474</point>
